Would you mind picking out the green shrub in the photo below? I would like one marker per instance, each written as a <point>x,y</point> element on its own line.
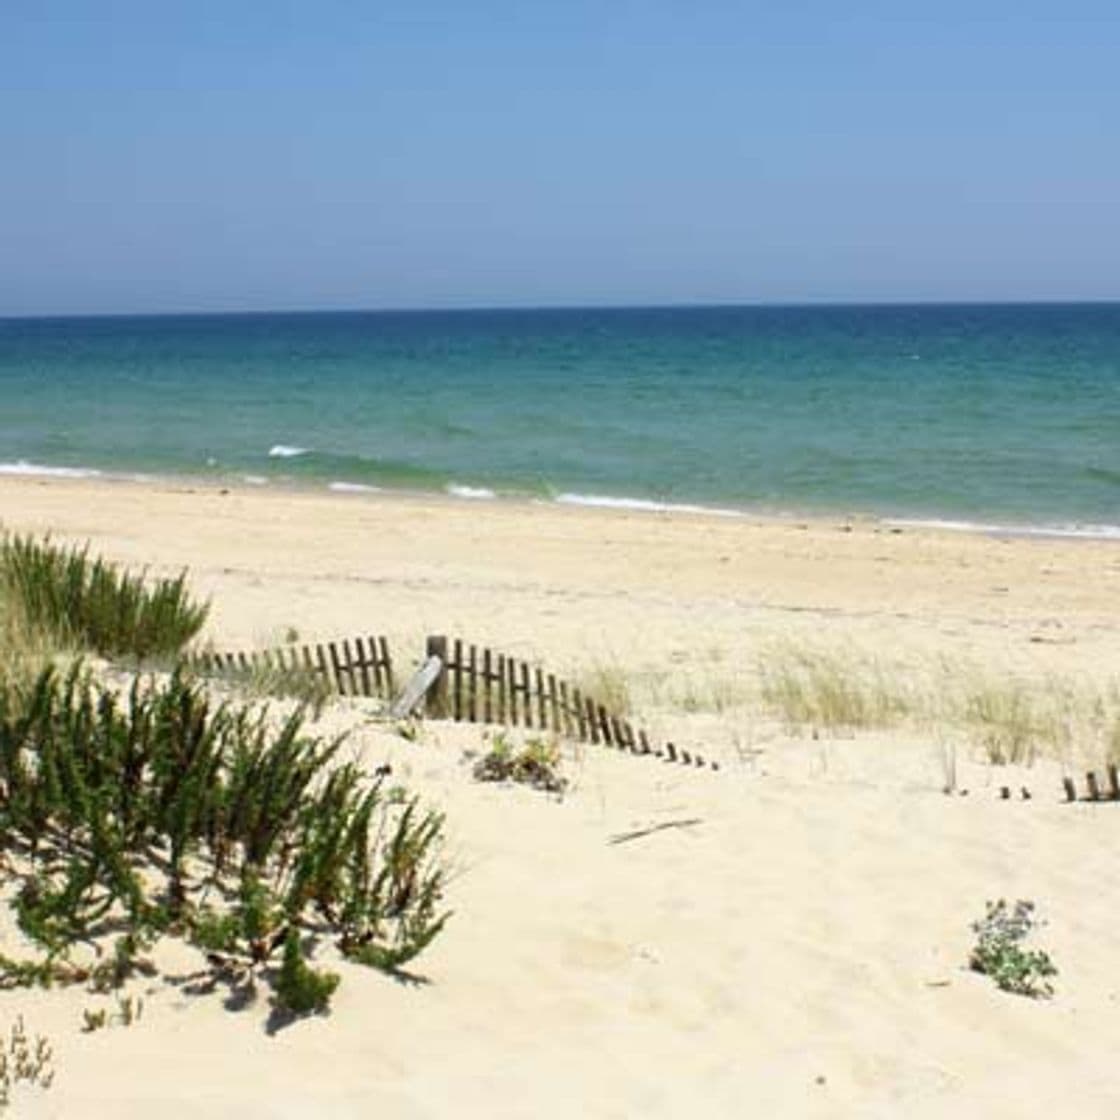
<point>998,952</point>
<point>162,814</point>
<point>92,604</point>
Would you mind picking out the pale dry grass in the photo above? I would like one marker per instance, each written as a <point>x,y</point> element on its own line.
<point>608,683</point>
<point>832,690</point>
<point>1009,719</point>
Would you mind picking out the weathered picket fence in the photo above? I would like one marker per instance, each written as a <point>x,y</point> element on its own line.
<point>478,685</point>
<point>364,668</point>
<point>459,681</point>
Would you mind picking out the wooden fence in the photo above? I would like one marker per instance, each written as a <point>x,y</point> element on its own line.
<point>478,685</point>
<point>1095,790</point>
<point>474,685</point>
<point>364,668</point>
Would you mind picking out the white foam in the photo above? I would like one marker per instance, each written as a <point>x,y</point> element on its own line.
<point>606,501</point>
<point>254,479</point>
<point>478,493</point>
<point>22,467</point>
<point>284,451</point>
<point>352,488</point>
<point>1081,532</point>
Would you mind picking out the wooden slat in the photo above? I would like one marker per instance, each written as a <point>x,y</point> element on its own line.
<point>526,696</point>
<point>363,667</point>
<point>618,733</point>
<point>488,681</point>
<point>565,710</point>
<point>457,680</point>
<point>604,725</point>
<point>378,677</point>
<point>542,699</point>
<point>336,668</point>
<point>580,713</point>
<point>348,665</point>
<point>321,663</point>
<point>1091,782</point>
<point>502,705</point>
<point>554,704</point>
<point>592,719</point>
<point>472,695</point>
<point>386,665</point>
<point>1113,782</point>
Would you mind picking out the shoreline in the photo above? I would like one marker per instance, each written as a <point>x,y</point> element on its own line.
<point>984,525</point>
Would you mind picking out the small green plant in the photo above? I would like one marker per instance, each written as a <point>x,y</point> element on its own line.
<point>408,729</point>
<point>999,952</point>
<point>301,989</point>
<point>536,764</point>
<point>94,1020</point>
<point>24,1060</point>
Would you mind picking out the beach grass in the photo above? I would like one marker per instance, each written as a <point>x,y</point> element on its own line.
<point>71,598</point>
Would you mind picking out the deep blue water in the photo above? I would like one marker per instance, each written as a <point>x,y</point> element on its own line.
<point>1006,413</point>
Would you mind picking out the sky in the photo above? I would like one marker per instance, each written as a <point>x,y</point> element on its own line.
<point>249,155</point>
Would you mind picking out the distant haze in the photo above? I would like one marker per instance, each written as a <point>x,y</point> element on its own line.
<point>207,156</point>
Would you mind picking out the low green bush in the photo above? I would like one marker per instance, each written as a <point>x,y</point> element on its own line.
<point>161,815</point>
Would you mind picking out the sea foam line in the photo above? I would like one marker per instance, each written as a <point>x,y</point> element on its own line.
<point>1078,532</point>
<point>353,488</point>
<point>606,501</point>
<point>286,451</point>
<point>23,467</point>
<point>477,493</point>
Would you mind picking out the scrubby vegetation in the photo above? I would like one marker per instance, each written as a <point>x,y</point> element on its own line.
<point>536,764</point>
<point>999,951</point>
<point>160,815</point>
<point>65,595</point>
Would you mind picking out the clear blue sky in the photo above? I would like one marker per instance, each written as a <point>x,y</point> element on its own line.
<point>249,155</point>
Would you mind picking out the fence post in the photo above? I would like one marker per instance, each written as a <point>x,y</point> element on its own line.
<point>435,704</point>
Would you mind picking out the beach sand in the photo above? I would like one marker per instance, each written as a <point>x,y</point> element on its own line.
<point>794,943</point>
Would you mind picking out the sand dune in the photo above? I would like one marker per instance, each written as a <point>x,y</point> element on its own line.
<point>793,943</point>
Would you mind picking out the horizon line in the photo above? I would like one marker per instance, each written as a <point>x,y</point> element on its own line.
<point>468,309</point>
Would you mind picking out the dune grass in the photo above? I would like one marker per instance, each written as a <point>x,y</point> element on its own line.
<point>608,684</point>
<point>830,690</point>
<point>1007,718</point>
<point>68,598</point>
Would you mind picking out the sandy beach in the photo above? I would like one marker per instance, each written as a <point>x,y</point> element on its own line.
<point>792,942</point>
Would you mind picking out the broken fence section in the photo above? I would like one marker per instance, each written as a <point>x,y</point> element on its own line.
<point>477,685</point>
<point>361,667</point>
<point>1095,788</point>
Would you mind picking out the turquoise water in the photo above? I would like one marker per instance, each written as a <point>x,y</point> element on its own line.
<point>1007,414</point>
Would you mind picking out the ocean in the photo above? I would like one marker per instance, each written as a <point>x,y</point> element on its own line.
<point>971,415</point>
